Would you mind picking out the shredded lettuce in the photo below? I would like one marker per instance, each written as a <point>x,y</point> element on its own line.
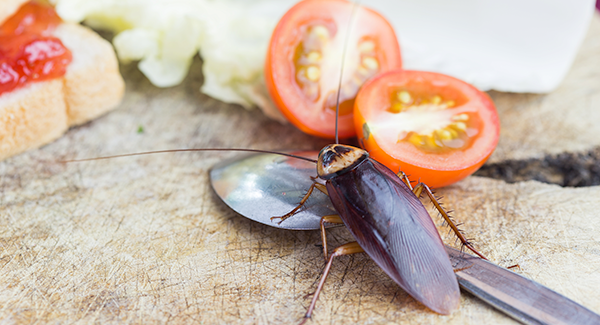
<point>164,35</point>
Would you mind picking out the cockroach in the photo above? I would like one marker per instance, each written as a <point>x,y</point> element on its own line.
<point>383,211</point>
<point>384,214</point>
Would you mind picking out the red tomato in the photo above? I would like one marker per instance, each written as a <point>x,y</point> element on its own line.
<point>304,62</point>
<point>435,128</point>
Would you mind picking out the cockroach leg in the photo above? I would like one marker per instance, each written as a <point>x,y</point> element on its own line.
<point>291,213</point>
<point>333,218</point>
<point>405,179</point>
<point>321,188</point>
<point>418,189</point>
<point>463,268</point>
<point>346,249</point>
<point>514,266</point>
<point>314,185</point>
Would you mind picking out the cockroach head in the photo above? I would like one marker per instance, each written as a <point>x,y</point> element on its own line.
<point>337,159</point>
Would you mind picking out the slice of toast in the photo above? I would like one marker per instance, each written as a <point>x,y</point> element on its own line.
<point>32,116</point>
<point>41,112</point>
<point>92,84</point>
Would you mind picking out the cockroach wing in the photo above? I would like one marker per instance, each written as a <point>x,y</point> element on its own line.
<point>391,224</point>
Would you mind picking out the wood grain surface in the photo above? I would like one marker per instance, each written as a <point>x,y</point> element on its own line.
<point>145,240</point>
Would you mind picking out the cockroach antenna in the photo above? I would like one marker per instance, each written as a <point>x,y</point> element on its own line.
<point>190,150</point>
<point>339,88</point>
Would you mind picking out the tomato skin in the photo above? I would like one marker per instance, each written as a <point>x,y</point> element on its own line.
<point>280,72</point>
<point>435,170</point>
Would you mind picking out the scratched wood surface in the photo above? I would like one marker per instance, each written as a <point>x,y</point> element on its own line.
<point>144,240</point>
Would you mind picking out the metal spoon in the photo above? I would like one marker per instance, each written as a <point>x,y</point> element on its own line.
<point>260,186</point>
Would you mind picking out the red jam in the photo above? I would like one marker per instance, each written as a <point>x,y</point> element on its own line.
<point>28,52</point>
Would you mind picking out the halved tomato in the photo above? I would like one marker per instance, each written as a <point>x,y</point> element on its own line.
<point>304,62</point>
<point>435,128</point>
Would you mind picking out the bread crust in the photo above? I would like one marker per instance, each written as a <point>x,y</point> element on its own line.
<point>93,84</point>
<point>31,116</point>
<point>41,112</point>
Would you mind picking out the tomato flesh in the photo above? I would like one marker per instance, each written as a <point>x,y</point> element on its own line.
<point>27,51</point>
<point>435,128</point>
<point>304,62</point>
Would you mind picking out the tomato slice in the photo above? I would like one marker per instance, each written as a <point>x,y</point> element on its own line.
<point>303,64</point>
<point>435,128</point>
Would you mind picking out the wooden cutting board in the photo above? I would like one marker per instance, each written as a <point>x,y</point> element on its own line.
<point>145,240</point>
